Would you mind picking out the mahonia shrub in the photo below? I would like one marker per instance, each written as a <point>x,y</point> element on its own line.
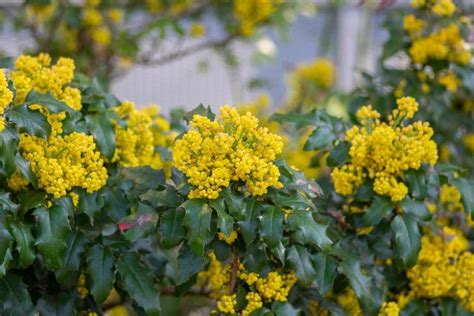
<point>433,44</point>
<point>70,218</point>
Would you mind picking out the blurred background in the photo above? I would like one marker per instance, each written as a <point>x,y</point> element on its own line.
<point>349,33</point>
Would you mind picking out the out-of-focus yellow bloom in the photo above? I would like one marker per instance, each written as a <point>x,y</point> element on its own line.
<point>389,309</point>
<point>197,30</point>
<point>6,97</point>
<point>444,7</point>
<point>413,26</point>
<point>468,141</point>
<point>449,80</point>
<point>251,13</point>
<point>348,301</point>
<point>115,15</point>
<point>320,71</point>
<point>101,35</point>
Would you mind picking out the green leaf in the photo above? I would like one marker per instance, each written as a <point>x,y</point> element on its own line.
<point>58,305</point>
<point>171,227</point>
<point>407,237</point>
<point>339,154</point>
<point>417,183</point>
<point>225,222</point>
<point>377,211</point>
<point>248,227</point>
<point>271,222</point>
<point>30,121</point>
<point>6,203</point>
<point>165,198</point>
<point>144,178</point>
<point>7,62</point>
<point>417,208</point>
<point>199,110</point>
<point>361,284</point>
<point>8,151</point>
<point>52,230</point>
<point>197,220</point>
<point>21,232</point>
<point>76,245</point>
<point>31,199</point>
<point>467,193</point>
<point>298,119</point>
<point>14,297</point>
<point>188,265</point>
<point>100,269</point>
<point>6,242</point>
<point>312,232</point>
<point>49,101</point>
<point>138,282</point>
<point>300,262</point>
<point>320,138</point>
<point>283,309</point>
<point>326,271</point>
<point>24,167</point>
<point>101,127</point>
<point>88,203</point>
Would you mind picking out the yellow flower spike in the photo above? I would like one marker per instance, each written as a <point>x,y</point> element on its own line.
<point>6,97</point>
<point>389,309</point>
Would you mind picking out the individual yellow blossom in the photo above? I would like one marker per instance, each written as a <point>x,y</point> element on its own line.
<point>115,15</point>
<point>101,35</point>
<point>320,71</point>
<point>64,162</point>
<point>444,153</point>
<point>412,25</point>
<point>17,182</point>
<point>91,17</point>
<point>38,74</point>
<point>254,302</point>
<point>383,152</point>
<point>226,304</point>
<point>6,97</point>
<point>449,80</point>
<point>81,286</point>
<point>444,7</point>
<point>251,13</point>
<point>468,141</point>
<point>228,239</point>
<point>154,6</point>
<point>197,30</point>
<point>389,309</point>
<point>231,148</point>
<point>450,196</point>
<point>349,303</point>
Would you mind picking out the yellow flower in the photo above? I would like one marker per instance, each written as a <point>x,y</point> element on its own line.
<point>349,303</point>
<point>101,35</point>
<point>321,71</point>
<point>254,302</point>
<point>231,148</point>
<point>389,309</point>
<point>17,182</point>
<point>6,97</point>
<point>251,13</point>
<point>465,281</point>
<point>197,30</point>
<point>81,286</point>
<point>383,152</point>
<point>115,15</point>
<point>451,197</point>
<point>228,239</point>
<point>412,25</point>
<point>226,304</point>
<point>91,17</point>
<point>444,7</point>
<point>449,80</point>
<point>468,141</point>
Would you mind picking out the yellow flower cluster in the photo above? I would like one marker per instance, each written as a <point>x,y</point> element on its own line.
<point>254,302</point>
<point>349,302</point>
<point>251,13</point>
<point>226,304</point>
<point>135,144</point>
<point>443,44</point>
<point>468,141</point>
<point>64,162</point>
<point>38,74</point>
<point>413,26</point>
<point>275,286</point>
<point>320,71</point>
<point>197,30</point>
<point>228,239</point>
<point>389,309</point>
<point>465,281</point>
<point>6,97</point>
<point>384,151</point>
<point>436,272</point>
<point>231,148</point>
<point>439,7</point>
<point>81,286</point>
<point>217,277</point>
<point>449,80</point>
<point>97,23</point>
<point>450,197</point>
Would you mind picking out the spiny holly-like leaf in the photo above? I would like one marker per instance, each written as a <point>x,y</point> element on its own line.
<point>138,282</point>
<point>271,222</point>
<point>312,232</point>
<point>30,121</point>
<point>52,230</point>
<point>467,193</point>
<point>407,237</point>
<point>21,232</point>
<point>417,183</point>
<point>361,284</point>
<point>283,309</point>
<point>326,271</point>
<point>57,305</point>
<point>49,101</point>
<point>166,198</point>
<point>14,297</point>
<point>248,226</point>
<point>377,211</point>
<point>100,124</point>
<point>76,245</point>
<point>199,110</point>
<point>6,242</point>
<point>320,138</point>
<point>188,265</point>
<point>171,227</point>
<point>339,154</point>
<point>225,222</point>
<point>100,270</point>
<point>6,203</point>
<point>300,262</point>
<point>417,208</point>
<point>197,220</point>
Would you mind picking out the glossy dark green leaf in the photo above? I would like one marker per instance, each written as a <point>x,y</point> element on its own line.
<point>225,222</point>
<point>164,198</point>
<point>144,178</point>
<point>25,169</point>
<point>283,309</point>
<point>407,237</point>
<point>199,110</point>
<point>101,127</point>
<point>417,208</point>
<point>8,152</point>
<point>57,305</point>
<point>7,62</point>
<point>339,154</point>
<point>466,188</point>
<point>6,242</point>
<point>361,284</point>
<point>100,270</point>
<point>312,232</point>
<point>14,297</point>
<point>171,227</point>
<point>271,223</point>
<point>326,272</point>
<point>320,138</point>
<point>300,262</point>
<point>76,245</point>
<point>188,265</point>
<point>24,240</point>
<point>49,101</point>
<point>248,226</point>
<point>6,203</point>
<point>51,234</point>
<point>30,121</point>
<point>88,203</point>
<point>138,282</point>
<point>197,221</point>
<point>417,183</point>
<point>380,207</point>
